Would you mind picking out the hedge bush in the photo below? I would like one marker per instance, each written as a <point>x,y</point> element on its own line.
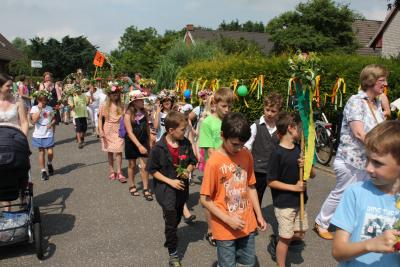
<point>275,69</point>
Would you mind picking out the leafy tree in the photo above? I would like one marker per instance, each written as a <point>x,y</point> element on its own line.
<point>141,50</point>
<point>248,26</point>
<point>60,58</point>
<point>318,25</point>
<point>230,46</point>
<point>179,56</point>
<point>391,4</point>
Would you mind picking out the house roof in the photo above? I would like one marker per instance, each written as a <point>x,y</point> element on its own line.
<point>7,51</point>
<point>365,30</point>
<point>383,26</point>
<point>260,38</point>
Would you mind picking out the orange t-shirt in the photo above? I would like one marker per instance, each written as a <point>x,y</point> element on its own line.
<point>226,180</point>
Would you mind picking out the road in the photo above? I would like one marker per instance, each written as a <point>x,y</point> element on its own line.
<point>90,221</point>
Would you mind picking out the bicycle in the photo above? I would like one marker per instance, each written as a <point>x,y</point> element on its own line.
<point>324,139</point>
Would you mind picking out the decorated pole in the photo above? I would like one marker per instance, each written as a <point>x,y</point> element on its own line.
<point>304,68</point>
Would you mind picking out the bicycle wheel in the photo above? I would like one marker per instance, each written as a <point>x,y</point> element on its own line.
<point>323,145</point>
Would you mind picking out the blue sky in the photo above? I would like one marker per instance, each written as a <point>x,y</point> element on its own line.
<point>104,21</point>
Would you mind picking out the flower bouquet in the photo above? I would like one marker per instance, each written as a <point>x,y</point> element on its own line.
<point>182,172</point>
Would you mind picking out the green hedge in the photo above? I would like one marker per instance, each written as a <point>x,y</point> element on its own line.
<point>275,69</point>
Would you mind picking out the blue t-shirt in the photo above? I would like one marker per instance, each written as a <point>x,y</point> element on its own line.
<point>366,212</point>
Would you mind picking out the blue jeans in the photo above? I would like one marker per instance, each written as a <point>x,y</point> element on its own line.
<point>238,252</point>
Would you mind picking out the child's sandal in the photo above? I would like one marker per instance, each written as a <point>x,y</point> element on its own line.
<point>112,176</point>
<point>147,195</point>
<point>121,178</point>
<point>135,192</point>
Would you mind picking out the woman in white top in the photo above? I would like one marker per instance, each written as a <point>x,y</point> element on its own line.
<point>12,111</point>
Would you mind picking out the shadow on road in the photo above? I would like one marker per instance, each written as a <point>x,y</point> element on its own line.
<point>65,141</point>
<point>293,257</point>
<point>190,234</point>
<point>69,168</point>
<point>75,166</point>
<point>53,222</point>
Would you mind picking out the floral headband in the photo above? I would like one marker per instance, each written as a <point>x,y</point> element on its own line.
<point>41,93</point>
<point>166,94</point>
<point>205,92</point>
<point>114,87</point>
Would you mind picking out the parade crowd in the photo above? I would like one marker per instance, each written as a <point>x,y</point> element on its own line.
<point>165,138</point>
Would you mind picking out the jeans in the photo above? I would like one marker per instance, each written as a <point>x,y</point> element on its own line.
<point>238,252</point>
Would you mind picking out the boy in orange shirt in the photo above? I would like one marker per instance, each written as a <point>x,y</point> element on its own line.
<point>228,193</point>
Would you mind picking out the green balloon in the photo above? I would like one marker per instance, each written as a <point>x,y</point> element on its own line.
<point>242,90</point>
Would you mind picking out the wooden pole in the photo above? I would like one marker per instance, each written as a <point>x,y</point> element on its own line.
<point>95,73</point>
<point>301,179</point>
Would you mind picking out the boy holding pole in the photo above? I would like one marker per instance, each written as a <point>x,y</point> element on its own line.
<point>286,183</point>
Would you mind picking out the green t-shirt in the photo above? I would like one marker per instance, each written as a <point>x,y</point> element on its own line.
<point>80,102</point>
<point>210,132</point>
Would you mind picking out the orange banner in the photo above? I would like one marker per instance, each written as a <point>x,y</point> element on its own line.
<point>99,59</point>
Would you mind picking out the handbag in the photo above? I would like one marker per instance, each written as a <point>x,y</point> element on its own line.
<point>121,130</point>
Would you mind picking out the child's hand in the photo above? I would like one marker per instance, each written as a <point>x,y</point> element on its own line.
<point>262,224</point>
<point>235,222</point>
<point>383,243</point>
<point>101,133</point>
<point>299,187</point>
<point>177,184</point>
<point>142,150</point>
<point>301,162</point>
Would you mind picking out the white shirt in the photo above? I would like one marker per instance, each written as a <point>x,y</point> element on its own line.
<point>41,130</point>
<point>271,130</point>
<point>102,96</point>
<point>96,96</point>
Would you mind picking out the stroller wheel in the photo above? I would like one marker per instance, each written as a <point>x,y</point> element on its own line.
<point>37,233</point>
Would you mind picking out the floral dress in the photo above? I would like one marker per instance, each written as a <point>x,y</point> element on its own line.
<point>111,142</point>
<point>350,149</point>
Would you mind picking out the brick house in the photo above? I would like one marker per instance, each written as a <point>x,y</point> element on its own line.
<point>7,53</point>
<point>387,38</point>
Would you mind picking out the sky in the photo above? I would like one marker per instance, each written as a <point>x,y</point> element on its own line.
<point>103,22</point>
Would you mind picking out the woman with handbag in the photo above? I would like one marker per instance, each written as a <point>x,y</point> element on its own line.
<point>361,114</point>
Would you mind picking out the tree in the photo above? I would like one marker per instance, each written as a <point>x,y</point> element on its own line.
<point>141,50</point>
<point>391,4</point>
<point>248,26</point>
<point>318,25</point>
<point>60,58</point>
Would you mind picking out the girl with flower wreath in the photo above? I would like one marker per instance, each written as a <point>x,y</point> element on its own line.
<point>137,142</point>
<point>166,99</point>
<point>43,117</point>
<point>111,111</point>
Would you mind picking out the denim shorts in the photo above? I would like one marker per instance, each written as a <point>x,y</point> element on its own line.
<point>43,142</point>
<point>238,252</point>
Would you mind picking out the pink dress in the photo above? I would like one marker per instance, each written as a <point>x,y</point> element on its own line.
<point>111,142</point>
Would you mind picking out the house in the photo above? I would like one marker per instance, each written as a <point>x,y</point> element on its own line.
<point>364,30</point>
<point>260,38</point>
<point>387,38</point>
<point>7,53</point>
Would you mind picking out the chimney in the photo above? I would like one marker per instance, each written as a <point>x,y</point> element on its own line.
<point>189,27</point>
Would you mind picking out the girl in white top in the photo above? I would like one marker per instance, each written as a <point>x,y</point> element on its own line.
<point>12,112</point>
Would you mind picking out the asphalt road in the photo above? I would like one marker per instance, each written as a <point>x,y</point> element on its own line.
<point>88,220</point>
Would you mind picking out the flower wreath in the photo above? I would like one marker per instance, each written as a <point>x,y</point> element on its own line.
<point>41,93</point>
<point>116,86</point>
<point>205,92</point>
<point>166,94</point>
